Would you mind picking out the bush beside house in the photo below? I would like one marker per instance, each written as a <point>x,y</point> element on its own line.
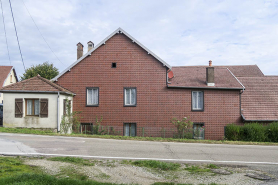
<point>252,132</point>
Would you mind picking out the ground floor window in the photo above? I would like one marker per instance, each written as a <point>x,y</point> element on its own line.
<point>32,107</point>
<point>130,129</point>
<point>199,131</point>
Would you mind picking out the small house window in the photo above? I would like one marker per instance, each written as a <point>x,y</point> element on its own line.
<point>114,65</point>
<point>32,107</point>
<point>92,96</point>
<point>197,100</point>
<point>11,78</point>
<point>130,96</point>
<point>130,129</point>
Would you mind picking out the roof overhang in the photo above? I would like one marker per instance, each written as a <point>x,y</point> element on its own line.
<point>209,88</point>
<point>42,92</point>
<point>256,120</point>
<point>117,31</point>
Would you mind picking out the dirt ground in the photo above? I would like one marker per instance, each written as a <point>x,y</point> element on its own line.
<point>117,172</point>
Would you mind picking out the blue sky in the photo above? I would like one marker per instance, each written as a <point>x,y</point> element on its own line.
<point>189,32</point>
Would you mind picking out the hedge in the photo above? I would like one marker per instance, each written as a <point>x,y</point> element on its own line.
<point>252,132</point>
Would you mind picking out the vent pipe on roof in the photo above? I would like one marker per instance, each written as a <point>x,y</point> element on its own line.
<point>79,50</point>
<point>90,45</point>
<point>210,75</point>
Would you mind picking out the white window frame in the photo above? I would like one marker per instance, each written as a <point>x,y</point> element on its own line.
<point>130,99</point>
<point>197,100</point>
<point>87,94</point>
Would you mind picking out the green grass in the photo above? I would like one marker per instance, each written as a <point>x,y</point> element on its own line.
<point>74,160</point>
<point>10,166</point>
<point>196,169</point>
<point>159,165</point>
<point>212,166</point>
<point>49,132</point>
<point>43,179</point>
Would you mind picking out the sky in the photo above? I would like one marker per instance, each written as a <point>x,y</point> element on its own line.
<point>181,32</point>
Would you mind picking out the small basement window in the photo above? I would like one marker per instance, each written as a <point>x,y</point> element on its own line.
<point>114,65</point>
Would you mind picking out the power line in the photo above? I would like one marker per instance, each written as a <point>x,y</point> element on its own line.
<point>16,35</point>
<point>5,32</point>
<point>41,33</point>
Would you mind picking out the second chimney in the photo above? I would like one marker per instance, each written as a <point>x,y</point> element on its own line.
<point>79,50</point>
<point>210,75</point>
<point>90,45</point>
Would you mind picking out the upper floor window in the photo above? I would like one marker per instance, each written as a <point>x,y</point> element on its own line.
<point>130,96</point>
<point>92,96</point>
<point>197,100</point>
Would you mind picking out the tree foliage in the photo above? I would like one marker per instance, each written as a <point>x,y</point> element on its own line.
<point>45,70</point>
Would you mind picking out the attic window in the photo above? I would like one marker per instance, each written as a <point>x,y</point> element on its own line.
<point>114,65</point>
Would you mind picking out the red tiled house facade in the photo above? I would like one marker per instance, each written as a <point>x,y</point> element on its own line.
<point>120,64</point>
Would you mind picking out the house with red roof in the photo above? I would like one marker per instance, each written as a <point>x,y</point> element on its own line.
<point>7,77</point>
<point>138,94</point>
<point>35,103</point>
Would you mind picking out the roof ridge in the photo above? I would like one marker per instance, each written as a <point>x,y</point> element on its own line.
<point>11,85</point>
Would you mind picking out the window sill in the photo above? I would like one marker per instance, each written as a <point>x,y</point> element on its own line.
<point>130,105</point>
<point>92,105</point>
<point>197,110</point>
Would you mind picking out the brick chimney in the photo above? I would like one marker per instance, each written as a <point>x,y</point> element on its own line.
<point>210,75</point>
<point>79,50</point>
<point>90,45</point>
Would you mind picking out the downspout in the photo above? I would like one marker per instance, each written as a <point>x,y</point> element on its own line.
<point>58,111</point>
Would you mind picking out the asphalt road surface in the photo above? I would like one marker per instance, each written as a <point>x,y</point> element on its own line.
<point>127,149</point>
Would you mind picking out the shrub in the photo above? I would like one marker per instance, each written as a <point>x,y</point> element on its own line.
<point>184,127</point>
<point>253,132</point>
<point>272,132</point>
<point>232,132</point>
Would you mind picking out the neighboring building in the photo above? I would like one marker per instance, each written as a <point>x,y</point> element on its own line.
<point>7,77</point>
<point>35,103</point>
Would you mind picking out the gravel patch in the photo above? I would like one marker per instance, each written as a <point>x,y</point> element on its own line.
<point>116,172</point>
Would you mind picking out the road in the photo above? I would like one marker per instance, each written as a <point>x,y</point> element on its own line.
<point>127,149</point>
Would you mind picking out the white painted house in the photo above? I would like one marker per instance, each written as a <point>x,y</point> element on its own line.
<point>7,77</point>
<point>35,103</point>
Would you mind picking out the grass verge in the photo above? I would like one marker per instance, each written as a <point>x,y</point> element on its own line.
<point>43,179</point>
<point>49,132</point>
<point>74,160</point>
<point>158,165</point>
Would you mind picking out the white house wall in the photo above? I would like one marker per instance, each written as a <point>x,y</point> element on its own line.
<point>9,119</point>
<point>61,106</point>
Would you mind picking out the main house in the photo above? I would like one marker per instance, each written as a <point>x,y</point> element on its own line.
<point>137,93</point>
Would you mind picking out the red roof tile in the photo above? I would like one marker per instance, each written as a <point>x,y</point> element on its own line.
<point>4,72</point>
<point>260,98</point>
<point>245,70</point>
<point>35,84</point>
<point>195,76</point>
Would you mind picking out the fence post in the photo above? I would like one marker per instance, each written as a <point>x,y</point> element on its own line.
<point>108,130</point>
<point>85,129</point>
<point>143,131</point>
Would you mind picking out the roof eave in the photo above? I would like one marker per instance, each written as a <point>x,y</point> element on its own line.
<point>46,92</point>
<point>119,30</point>
<point>258,120</point>
<point>215,88</point>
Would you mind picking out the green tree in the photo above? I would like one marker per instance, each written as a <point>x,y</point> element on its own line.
<point>45,70</point>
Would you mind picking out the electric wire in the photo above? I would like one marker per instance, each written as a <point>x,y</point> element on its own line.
<point>5,32</point>
<point>41,33</point>
<point>17,35</point>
